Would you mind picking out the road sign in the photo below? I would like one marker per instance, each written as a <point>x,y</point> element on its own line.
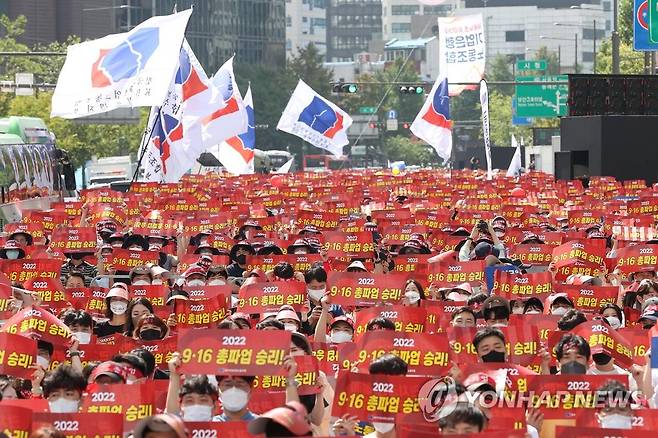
<point>653,21</point>
<point>392,114</point>
<point>516,120</point>
<point>392,125</point>
<point>24,82</point>
<point>525,65</point>
<point>367,110</point>
<point>542,100</point>
<point>641,36</point>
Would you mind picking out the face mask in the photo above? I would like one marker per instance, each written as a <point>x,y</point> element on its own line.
<point>195,283</point>
<point>559,311</point>
<point>601,359</point>
<point>494,356</point>
<point>217,282</point>
<point>573,367</point>
<point>156,281</point>
<point>383,427</point>
<point>616,421</point>
<point>413,297</point>
<point>234,399</point>
<point>241,259</point>
<point>45,363</point>
<point>340,337</point>
<point>12,254</point>
<point>517,310</point>
<point>456,296</point>
<point>614,322</point>
<point>300,251</point>
<point>150,334</point>
<point>499,234</point>
<point>83,337</point>
<point>498,324</point>
<point>136,248</point>
<point>290,327</point>
<point>63,406</point>
<point>316,294</point>
<point>197,413</point>
<point>532,312</point>
<point>118,307</point>
<point>141,283</point>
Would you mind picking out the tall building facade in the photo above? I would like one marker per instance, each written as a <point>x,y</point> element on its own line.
<point>397,16</point>
<point>306,23</point>
<point>351,25</point>
<point>253,30</point>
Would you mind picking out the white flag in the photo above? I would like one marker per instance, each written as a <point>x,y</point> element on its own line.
<point>286,167</point>
<point>514,168</point>
<point>484,103</point>
<point>122,70</point>
<point>433,124</point>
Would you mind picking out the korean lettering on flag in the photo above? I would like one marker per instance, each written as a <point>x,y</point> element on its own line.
<point>463,50</point>
<point>237,152</point>
<point>314,119</point>
<point>433,123</point>
<point>121,70</point>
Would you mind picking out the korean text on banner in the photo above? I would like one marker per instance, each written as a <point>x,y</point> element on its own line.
<point>463,50</point>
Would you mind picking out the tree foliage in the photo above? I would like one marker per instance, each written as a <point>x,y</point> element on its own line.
<point>501,128</point>
<point>411,151</point>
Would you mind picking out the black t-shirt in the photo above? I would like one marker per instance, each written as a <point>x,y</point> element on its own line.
<point>106,329</point>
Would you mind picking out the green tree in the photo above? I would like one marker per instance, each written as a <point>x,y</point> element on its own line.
<point>626,21</point>
<point>551,58</point>
<point>308,66</point>
<point>501,128</point>
<point>630,61</point>
<point>411,151</point>
<point>499,70</point>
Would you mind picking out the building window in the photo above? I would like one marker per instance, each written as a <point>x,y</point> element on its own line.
<point>401,27</point>
<point>405,10</point>
<point>288,21</point>
<point>515,35</point>
<point>588,34</point>
<point>588,56</point>
<point>440,10</point>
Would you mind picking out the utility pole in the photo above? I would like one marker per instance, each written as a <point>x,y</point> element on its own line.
<point>615,37</point>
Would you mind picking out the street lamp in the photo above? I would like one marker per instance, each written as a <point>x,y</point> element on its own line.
<point>575,40</point>
<point>615,33</point>
<point>594,39</point>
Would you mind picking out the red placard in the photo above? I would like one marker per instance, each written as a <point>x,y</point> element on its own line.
<point>225,429</point>
<point>376,398</point>
<point>94,300</point>
<point>299,262</point>
<point>155,227</point>
<point>206,292</point>
<point>270,296</point>
<point>125,259</point>
<point>100,211</point>
<point>161,350</point>
<point>364,288</point>
<point>50,291</point>
<point>201,313</point>
<point>445,274</point>
<point>406,319</point>
<point>134,402</point>
<point>637,258</point>
<point>88,353</point>
<point>641,343</point>
<point>461,341</point>
<point>583,218</point>
<point>48,219</point>
<point>513,285</point>
<point>17,354</point>
<point>322,220</point>
<point>353,245</point>
<point>74,239</point>
<point>36,230</point>
<point>643,419</point>
<point>590,298</point>
<point>412,263</point>
<point>232,352</point>
<point>306,377</point>
<point>575,251</point>
<point>425,354</point>
<point>15,421</point>
<point>597,432</point>
<point>22,270</point>
<point>533,254</point>
<point>327,356</point>
<point>81,425</point>
<point>37,323</point>
<point>155,293</point>
<point>604,339</point>
<point>190,259</point>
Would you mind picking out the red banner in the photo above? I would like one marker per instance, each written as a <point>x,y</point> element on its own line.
<point>50,291</point>
<point>133,402</point>
<point>100,211</point>
<point>637,258</point>
<point>604,339</point>
<point>322,220</point>
<point>590,298</point>
<point>206,292</point>
<point>161,350</point>
<point>534,254</point>
<point>299,262</point>
<point>597,432</point>
<point>155,293</point>
<point>17,355</point>
<point>232,352</point>
<point>445,274</point>
<point>201,313</point>
<point>641,343</point>
<point>327,356</point>
<point>226,429</point>
<point>354,245</point>
<point>74,240</point>
<point>15,421</point>
<point>270,296</point>
<point>406,319</point>
<point>579,252</point>
<point>511,285</point>
<point>365,289</point>
<point>306,377</point>
<point>22,270</point>
<point>374,398</point>
<point>89,353</point>
<point>126,260</point>
<point>81,425</point>
<point>37,323</point>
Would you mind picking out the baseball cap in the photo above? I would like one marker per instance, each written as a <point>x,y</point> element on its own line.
<point>160,423</point>
<point>479,381</point>
<point>357,265</point>
<point>117,291</point>
<point>292,416</point>
<point>495,301</point>
<point>111,369</point>
<point>342,318</point>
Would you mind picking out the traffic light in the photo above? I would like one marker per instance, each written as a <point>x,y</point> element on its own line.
<point>375,125</point>
<point>406,125</point>
<point>412,89</point>
<point>345,88</point>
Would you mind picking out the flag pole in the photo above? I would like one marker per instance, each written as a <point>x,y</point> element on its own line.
<point>144,143</point>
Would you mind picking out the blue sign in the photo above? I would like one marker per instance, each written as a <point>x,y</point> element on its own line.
<point>392,115</point>
<point>641,38</point>
<point>519,121</point>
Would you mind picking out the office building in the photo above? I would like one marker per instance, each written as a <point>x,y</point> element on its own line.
<point>306,22</point>
<point>397,16</point>
<point>351,25</point>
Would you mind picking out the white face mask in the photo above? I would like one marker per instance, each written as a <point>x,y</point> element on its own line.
<point>316,294</point>
<point>157,281</point>
<point>383,427</point>
<point>12,254</point>
<point>456,296</point>
<point>412,296</point>
<point>195,283</point>
<point>290,327</point>
<point>141,283</point>
<point>118,307</point>
<point>45,363</point>
<point>197,413</point>
<point>63,406</point>
<point>217,282</point>
<point>532,312</point>
<point>340,337</point>
<point>300,251</point>
<point>498,324</point>
<point>234,399</point>
<point>83,337</point>
<point>517,310</point>
<point>614,322</point>
<point>559,311</point>
<point>616,421</point>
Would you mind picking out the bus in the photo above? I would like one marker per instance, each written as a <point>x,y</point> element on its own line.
<point>323,163</point>
<point>31,166</point>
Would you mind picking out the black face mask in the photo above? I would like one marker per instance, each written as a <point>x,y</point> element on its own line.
<point>601,358</point>
<point>494,356</point>
<point>241,259</point>
<point>150,334</point>
<point>573,367</point>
